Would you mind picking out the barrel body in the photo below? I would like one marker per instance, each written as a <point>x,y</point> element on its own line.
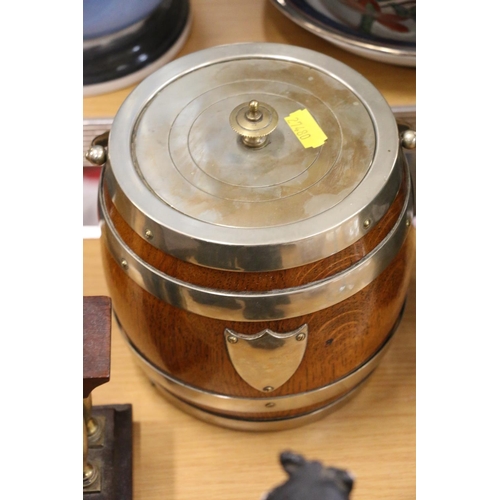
<point>185,322</point>
<point>256,215</point>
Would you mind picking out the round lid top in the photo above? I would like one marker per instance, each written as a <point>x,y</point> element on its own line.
<point>253,156</point>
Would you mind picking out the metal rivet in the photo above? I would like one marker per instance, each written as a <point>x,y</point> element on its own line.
<point>149,234</point>
<point>232,340</point>
<point>268,389</point>
<point>408,222</point>
<point>300,336</point>
<point>367,223</point>
<point>124,264</point>
<point>270,405</point>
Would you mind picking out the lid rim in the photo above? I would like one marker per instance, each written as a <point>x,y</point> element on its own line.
<point>313,238</point>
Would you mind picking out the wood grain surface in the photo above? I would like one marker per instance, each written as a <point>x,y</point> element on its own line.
<point>192,348</point>
<point>177,457</point>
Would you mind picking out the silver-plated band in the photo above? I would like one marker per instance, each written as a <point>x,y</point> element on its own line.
<point>257,306</point>
<point>221,402</point>
<point>277,424</point>
<point>282,255</point>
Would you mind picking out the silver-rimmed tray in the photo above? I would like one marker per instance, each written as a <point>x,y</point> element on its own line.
<point>313,16</point>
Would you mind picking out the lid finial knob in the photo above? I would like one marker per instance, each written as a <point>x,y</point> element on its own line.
<point>253,122</point>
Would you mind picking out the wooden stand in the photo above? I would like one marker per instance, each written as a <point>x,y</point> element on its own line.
<point>107,430</point>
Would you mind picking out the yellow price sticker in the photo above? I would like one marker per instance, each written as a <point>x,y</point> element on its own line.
<point>306,129</point>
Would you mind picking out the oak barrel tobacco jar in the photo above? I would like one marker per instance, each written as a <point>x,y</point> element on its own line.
<point>257,243</point>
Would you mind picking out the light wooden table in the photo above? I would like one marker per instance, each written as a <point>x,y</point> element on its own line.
<point>177,457</point>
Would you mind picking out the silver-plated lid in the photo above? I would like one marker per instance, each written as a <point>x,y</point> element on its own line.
<point>184,174</point>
